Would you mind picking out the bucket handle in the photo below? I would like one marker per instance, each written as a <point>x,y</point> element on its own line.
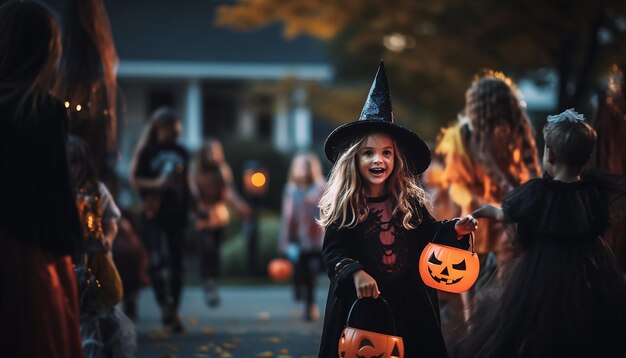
<point>471,239</point>
<point>382,299</point>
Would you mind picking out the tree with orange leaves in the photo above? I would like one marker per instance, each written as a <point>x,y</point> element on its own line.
<point>437,44</point>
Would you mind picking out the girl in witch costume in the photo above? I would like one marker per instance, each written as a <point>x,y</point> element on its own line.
<point>565,295</point>
<point>374,212</point>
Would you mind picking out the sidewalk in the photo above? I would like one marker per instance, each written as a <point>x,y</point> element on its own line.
<point>252,321</point>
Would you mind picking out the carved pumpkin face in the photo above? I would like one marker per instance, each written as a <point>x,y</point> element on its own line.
<point>359,343</point>
<point>280,270</point>
<point>448,268</point>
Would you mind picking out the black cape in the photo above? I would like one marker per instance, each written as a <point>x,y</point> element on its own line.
<point>565,295</point>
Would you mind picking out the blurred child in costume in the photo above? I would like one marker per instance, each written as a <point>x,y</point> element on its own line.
<point>489,151</point>
<point>213,188</point>
<point>565,295</point>
<point>610,123</point>
<point>300,236</point>
<point>106,330</point>
<point>377,223</point>
<point>39,225</point>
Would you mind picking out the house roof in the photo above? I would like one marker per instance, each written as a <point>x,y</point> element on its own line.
<point>180,38</point>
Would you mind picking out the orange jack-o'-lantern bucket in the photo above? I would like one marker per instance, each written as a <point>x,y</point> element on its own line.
<point>358,338</point>
<point>448,268</point>
<point>280,269</point>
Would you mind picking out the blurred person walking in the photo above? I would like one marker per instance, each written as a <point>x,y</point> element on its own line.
<point>300,237</point>
<point>159,172</point>
<point>39,224</point>
<point>214,191</point>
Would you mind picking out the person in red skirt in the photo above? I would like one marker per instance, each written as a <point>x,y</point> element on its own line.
<point>39,224</point>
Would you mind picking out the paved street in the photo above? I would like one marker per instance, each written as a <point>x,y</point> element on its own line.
<point>252,321</point>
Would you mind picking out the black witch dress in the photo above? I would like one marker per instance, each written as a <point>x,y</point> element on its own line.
<point>566,295</point>
<point>389,253</point>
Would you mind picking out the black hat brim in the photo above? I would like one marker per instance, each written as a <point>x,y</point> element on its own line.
<point>414,148</point>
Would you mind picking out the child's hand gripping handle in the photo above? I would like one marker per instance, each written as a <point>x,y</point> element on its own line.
<point>365,285</point>
<point>466,226</point>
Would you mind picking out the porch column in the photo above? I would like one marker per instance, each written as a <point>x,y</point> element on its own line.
<point>193,115</point>
<point>302,119</point>
<point>281,124</point>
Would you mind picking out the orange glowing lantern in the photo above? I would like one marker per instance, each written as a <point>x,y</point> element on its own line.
<point>357,342</point>
<point>255,179</point>
<point>448,268</point>
<point>280,270</point>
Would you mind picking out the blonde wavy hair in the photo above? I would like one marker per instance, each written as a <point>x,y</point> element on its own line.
<point>344,203</point>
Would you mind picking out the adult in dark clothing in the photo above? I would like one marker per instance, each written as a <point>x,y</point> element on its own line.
<point>160,174</point>
<point>39,225</point>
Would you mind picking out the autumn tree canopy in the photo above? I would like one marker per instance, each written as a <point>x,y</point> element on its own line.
<point>433,48</point>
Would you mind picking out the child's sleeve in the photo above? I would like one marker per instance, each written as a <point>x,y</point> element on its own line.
<point>340,266</point>
<point>110,210</point>
<point>520,202</point>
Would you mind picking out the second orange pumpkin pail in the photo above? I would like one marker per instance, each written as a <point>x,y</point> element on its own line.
<point>358,338</point>
<point>449,268</point>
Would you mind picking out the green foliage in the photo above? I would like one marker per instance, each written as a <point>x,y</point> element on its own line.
<point>233,260</point>
<point>437,46</point>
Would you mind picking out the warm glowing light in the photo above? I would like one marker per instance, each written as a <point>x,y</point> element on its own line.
<point>397,42</point>
<point>78,107</point>
<point>90,222</point>
<point>67,104</point>
<point>258,179</point>
<point>516,155</point>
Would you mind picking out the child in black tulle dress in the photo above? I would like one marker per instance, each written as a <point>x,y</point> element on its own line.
<point>566,295</point>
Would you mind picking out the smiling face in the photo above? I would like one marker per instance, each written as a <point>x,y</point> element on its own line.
<point>375,160</point>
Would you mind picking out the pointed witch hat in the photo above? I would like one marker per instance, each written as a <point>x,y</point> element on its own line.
<point>377,116</point>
